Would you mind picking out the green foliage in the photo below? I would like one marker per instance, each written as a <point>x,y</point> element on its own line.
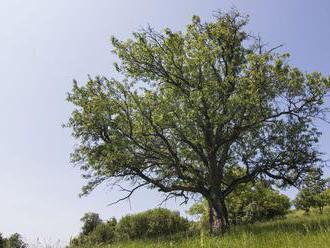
<point>90,222</point>
<point>314,193</point>
<point>15,241</point>
<point>304,200</point>
<point>257,202</point>
<point>153,223</point>
<point>211,99</point>
<point>247,204</point>
<point>150,224</point>
<point>103,233</point>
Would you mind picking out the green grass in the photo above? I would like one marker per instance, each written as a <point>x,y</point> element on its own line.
<point>296,231</point>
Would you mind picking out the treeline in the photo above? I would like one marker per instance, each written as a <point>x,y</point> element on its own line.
<point>14,241</point>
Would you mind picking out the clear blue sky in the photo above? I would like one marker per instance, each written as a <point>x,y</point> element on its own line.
<point>45,44</point>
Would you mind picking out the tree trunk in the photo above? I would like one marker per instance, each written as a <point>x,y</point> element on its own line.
<point>211,217</point>
<point>218,217</point>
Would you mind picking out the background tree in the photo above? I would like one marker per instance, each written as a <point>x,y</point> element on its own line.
<point>211,98</point>
<point>90,222</point>
<point>104,233</point>
<point>321,200</point>
<point>304,200</point>
<point>15,241</point>
<point>1,241</point>
<point>314,193</point>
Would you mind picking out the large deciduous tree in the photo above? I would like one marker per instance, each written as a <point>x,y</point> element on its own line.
<point>192,106</point>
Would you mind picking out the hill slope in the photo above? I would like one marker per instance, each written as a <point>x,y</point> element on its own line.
<point>296,231</point>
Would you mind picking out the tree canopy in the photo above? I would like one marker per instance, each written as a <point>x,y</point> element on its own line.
<point>194,106</point>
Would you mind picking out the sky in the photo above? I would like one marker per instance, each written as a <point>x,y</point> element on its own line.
<point>45,44</point>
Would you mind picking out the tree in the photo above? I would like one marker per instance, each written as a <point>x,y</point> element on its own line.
<point>304,200</point>
<point>90,222</point>
<point>314,193</point>
<point>190,108</point>
<point>1,241</point>
<point>321,200</point>
<point>15,241</point>
<point>324,198</point>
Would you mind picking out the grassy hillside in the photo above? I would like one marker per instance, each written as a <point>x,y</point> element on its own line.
<point>295,231</point>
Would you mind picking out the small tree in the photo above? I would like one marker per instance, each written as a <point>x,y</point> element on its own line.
<point>314,193</point>
<point>211,98</point>
<point>321,200</point>
<point>90,222</point>
<point>15,241</point>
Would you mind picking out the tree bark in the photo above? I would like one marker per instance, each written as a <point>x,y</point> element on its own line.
<point>218,217</point>
<point>211,217</point>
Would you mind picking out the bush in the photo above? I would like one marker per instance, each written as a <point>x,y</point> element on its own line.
<point>150,224</point>
<point>90,221</point>
<point>256,201</point>
<point>102,233</point>
<point>269,206</point>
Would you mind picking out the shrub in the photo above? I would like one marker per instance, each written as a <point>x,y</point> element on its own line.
<point>102,233</point>
<point>90,221</point>
<point>150,224</point>
<point>256,201</point>
<point>269,206</point>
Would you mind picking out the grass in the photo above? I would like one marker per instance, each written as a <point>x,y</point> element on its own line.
<point>296,231</point>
